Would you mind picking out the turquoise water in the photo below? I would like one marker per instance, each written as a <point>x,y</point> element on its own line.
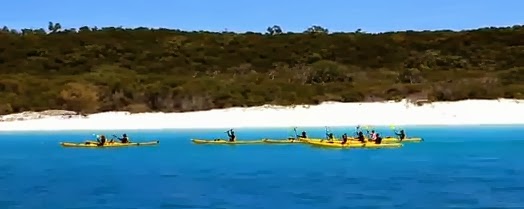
<point>455,167</point>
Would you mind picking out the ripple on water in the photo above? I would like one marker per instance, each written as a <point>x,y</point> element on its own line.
<point>169,175</point>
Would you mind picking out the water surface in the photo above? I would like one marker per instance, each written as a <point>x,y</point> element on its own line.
<point>455,167</point>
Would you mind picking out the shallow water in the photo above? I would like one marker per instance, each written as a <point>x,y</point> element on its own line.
<point>455,167</point>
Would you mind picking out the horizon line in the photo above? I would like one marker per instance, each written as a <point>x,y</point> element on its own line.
<point>357,30</point>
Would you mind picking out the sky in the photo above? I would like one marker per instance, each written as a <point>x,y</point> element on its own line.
<point>250,15</point>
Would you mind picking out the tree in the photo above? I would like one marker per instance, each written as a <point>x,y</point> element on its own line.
<point>328,71</point>
<point>54,27</point>
<point>142,69</point>
<point>274,30</point>
<point>84,29</point>
<point>79,97</point>
<point>316,29</point>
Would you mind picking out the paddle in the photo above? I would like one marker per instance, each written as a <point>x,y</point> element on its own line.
<point>296,134</point>
<point>356,131</point>
<point>392,127</point>
<point>90,142</point>
<point>97,139</point>
<point>328,137</point>
<point>128,141</point>
<point>228,134</point>
<point>327,133</point>
<point>367,127</point>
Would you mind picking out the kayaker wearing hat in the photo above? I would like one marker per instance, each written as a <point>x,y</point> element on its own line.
<point>124,138</point>
<point>303,135</point>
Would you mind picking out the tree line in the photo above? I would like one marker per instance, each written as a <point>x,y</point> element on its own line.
<point>92,69</point>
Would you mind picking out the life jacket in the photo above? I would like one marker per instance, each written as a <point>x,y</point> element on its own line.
<point>374,136</point>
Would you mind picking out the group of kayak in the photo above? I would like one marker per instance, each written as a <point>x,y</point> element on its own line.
<point>372,136</point>
<point>370,139</point>
<point>102,141</point>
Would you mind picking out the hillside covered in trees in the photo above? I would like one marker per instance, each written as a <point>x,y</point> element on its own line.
<point>141,69</point>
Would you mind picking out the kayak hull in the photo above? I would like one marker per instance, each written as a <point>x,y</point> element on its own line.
<point>223,141</point>
<point>397,140</point>
<point>108,144</point>
<point>352,145</point>
<point>337,141</point>
<point>283,141</point>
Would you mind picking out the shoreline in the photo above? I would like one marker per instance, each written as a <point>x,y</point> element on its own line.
<point>331,114</point>
<point>409,128</point>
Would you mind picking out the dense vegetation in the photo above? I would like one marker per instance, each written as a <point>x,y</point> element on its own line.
<point>141,69</point>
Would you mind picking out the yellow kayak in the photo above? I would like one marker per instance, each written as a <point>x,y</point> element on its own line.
<point>385,140</point>
<point>337,141</point>
<point>392,140</point>
<point>224,141</point>
<point>395,139</point>
<point>94,144</point>
<point>283,141</point>
<point>352,144</point>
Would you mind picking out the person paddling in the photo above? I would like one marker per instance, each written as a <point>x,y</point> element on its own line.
<point>302,135</point>
<point>401,135</point>
<point>378,139</point>
<point>101,140</point>
<point>231,135</point>
<point>360,137</point>
<point>359,134</point>
<point>344,138</point>
<point>124,138</point>
<point>330,136</point>
<point>373,136</point>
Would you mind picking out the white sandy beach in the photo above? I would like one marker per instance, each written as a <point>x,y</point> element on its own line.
<point>467,112</point>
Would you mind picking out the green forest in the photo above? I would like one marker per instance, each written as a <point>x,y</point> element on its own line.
<point>92,69</point>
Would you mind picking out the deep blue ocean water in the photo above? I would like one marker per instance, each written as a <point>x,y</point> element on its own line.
<point>455,167</point>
